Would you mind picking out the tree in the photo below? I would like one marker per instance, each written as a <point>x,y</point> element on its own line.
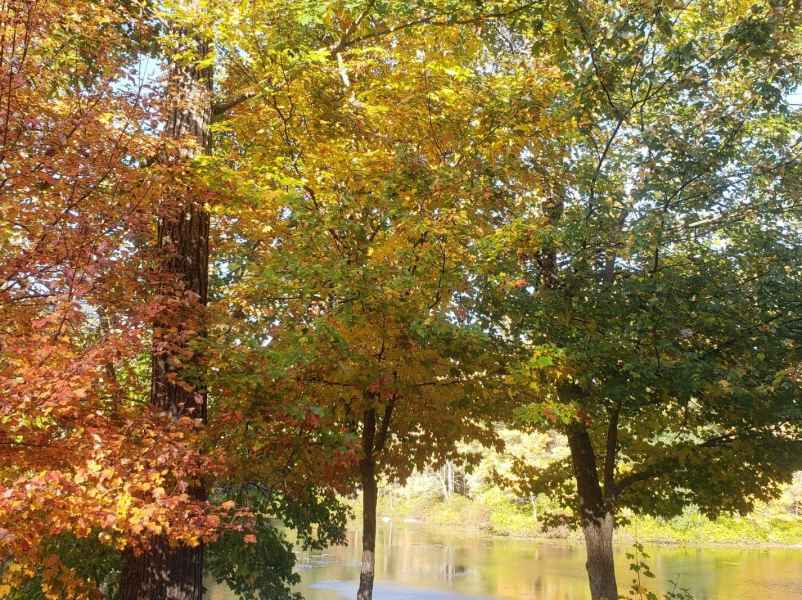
<point>168,570</point>
<point>84,463</point>
<point>366,176</point>
<point>655,287</point>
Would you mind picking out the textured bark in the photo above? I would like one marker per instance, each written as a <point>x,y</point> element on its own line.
<point>185,241</point>
<point>167,572</point>
<point>367,473</point>
<point>600,566</point>
<point>596,516</point>
<point>163,573</point>
<point>369,497</point>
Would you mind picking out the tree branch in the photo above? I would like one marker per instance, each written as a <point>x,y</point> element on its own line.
<point>385,424</point>
<point>612,452</point>
<point>220,108</point>
<point>431,20</point>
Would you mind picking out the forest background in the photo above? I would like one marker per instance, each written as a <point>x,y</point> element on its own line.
<point>454,497</point>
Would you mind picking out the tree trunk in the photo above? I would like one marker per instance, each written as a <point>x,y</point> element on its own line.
<point>163,573</point>
<point>373,441</point>
<point>600,564</point>
<point>450,474</point>
<point>596,515</point>
<point>369,496</point>
<point>167,572</point>
<point>443,477</point>
<point>533,501</point>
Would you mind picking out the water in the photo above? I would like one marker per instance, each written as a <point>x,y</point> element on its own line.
<point>415,562</point>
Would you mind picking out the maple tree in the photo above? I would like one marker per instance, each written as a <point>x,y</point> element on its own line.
<point>82,457</point>
<point>657,283</point>
<point>169,570</point>
<point>367,176</point>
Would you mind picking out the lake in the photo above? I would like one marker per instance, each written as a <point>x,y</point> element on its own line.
<point>417,562</point>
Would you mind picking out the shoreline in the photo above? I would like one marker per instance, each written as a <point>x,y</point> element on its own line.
<point>624,538</point>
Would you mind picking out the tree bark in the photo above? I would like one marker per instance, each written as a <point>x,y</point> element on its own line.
<point>165,571</point>
<point>596,516</point>
<point>600,564</point>
<point>369,497</point>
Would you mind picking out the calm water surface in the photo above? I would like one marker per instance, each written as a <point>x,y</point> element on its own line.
<point>415,562</point>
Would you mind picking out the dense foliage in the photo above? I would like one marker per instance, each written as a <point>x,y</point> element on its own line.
<point>255,255</point>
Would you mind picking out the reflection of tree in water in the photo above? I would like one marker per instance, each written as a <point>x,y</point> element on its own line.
<point>387,544</point>
<point>451,568</point>
<point>425,563</point>
<point>412,553</point>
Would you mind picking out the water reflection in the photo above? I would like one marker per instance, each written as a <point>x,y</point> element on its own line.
<point>415,562</point>
<point>388,591</point>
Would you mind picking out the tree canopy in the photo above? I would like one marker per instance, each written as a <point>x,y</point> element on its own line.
<point>255,256</point>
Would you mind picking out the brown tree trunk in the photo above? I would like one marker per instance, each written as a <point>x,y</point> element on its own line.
<point>596,516</point>
<point>163,573</point>
<point>369,497</point>
<point>374,439</point>
<point>167,572</point>
<point>367,474</point>
<point>600,565</point>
